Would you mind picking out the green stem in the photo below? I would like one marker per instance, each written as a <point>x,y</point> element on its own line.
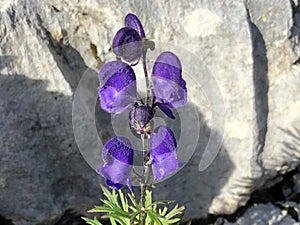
<point>144,178</point>
<point>145,143</point>
<point>148,93</point>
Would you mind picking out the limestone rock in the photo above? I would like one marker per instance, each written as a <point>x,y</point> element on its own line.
<point>239,130</point>
<point>266,214</point>
<point>281,151</point>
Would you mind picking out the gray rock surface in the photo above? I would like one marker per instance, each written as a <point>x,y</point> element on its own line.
<point>280,149</point>
<point>262,214</point>
<point>239,132</point>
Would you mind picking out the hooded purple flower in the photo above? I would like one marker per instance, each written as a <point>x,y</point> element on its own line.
<point>133,21</point>
<point>117,89</point>
<point>169,89</point>
<point>163,152</point>
<point>117,155</point>
<point>127,43</point>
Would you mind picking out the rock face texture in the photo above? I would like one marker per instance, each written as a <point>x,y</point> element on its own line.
<point>240,131</point>
<point>257,215</point>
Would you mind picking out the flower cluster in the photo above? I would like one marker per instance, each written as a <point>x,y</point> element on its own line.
<point>118,92</point>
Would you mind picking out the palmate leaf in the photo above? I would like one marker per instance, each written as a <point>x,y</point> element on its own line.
<point>112,209</point>
<point>175,215</point>
<point>111,196</point>
<point>154,217</point>
<point>117,209</point>
<point>162,217</point>
<point>175,211</point>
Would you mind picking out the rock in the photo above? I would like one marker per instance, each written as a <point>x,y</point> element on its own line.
<point>42,171</point>
<point>295,30</point>
<point>265,214</point>
<point>280,152</point>
<point>238,132</point>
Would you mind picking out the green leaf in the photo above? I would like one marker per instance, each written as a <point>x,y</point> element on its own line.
<point>175,211</point>
<point>154,217</point>
<point>116,217</point>
<point>112,221</point>
<point>163,211</point>
<point>132,199</point>
<point>134,216</point>
<point>92,221</point>
<point>172,221</point>
<point>124,201</point>
<point>101,209</point>
<point>148,198</point>
<point>189,222</point>
<point>115,208</point>
<point>118,210</point>
<point>111,196</point>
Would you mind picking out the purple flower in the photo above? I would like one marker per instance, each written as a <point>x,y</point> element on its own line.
<point>163,153</point>
<point>169,88</point>
<point>127,43</point>
<point>132,21</point>
<point>117,155</point>
<point>118,85</point>
<point>117,89</point>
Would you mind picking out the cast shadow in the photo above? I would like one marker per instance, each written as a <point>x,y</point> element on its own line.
<point>42,169</point>
<point>260,82</point>
<point>189,186</point>
<point>295,29</point>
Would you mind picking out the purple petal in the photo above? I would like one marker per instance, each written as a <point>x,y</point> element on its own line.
<point>163,153</point>
<point>168,66</point>
<point>117,186</point>
<point>168,86</point>
<point>133,21</point>
<point>128,44</point>
<point>140,117</point>
<point>168,92</point>
<point>166,110</point>
<point>118,160</point>
<point>113,185</point>
<point>117,87</point>
<point>119,148</point>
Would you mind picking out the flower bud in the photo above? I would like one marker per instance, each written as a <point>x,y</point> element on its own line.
<point>140,117</point>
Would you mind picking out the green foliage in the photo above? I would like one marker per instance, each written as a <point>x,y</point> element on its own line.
<point>119,210</point>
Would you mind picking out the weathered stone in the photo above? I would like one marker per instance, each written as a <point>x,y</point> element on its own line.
<point>281,151</point>
<point>261,214</point>
<point>243,100</point>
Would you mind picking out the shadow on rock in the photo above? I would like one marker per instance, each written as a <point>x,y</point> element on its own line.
<point>42,171</point>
